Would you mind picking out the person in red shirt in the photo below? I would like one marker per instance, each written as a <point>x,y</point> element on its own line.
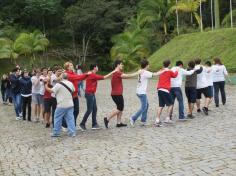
<point>74,79</point>
<point>117,93</point>
<point>163,88</point>
<point>90,90</point>
<point>48,100</point>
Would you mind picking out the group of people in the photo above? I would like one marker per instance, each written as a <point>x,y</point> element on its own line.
<point>54,93</point>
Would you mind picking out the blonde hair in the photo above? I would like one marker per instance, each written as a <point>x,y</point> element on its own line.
<point>66,65</point>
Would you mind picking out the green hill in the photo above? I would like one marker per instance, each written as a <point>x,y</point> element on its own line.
<point>206,45</point>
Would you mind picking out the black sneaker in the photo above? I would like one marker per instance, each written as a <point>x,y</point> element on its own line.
<point>106,122</point>
<point>158,124</point>
<point>121,125</point>
<point>47,125</point>
<point>82,127</point>
<point>217,105</point>
<point>205,110</point>
<point>190,116</point>
<point>96,127</point>
<point>199,110</point>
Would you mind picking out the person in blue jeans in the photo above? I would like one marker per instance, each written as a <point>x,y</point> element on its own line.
<point>142,92</point>
<point>175,91</point>
<point>65,106</point>
<point>15,92</point>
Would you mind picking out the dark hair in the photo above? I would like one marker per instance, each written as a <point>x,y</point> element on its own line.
<point>217,61</point>
<point>166,63</point>
<point>15,69</point>
<point>144,63</point>
<point>79,67</point>
<point>43,69</point>
<point>92,66</point>
<point>178,63</point>
<point>198,61</point>
<point>117,62</point>
<point>208,63</point>
<point>191,64</point>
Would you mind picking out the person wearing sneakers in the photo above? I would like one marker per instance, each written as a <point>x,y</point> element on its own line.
<point>117,93</point>
<point>209,78</point>
<point>190,88</point>
<point>90,90</point>
<point>74,78</point>
<point>65,106</point>
<point>176,91</point>
<point>26,94</point>
<point>202,88</point>
<point>15,92</point>
<point>142,92</point>
<point>219,73</point>
<point>163,88</point>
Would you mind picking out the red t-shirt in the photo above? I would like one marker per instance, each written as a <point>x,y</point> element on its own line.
<point>47,94</point>
<point>116,83</point>
<point>91,82</point>
<point>165,79</point>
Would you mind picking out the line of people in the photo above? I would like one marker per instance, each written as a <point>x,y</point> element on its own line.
<point>55,93</point>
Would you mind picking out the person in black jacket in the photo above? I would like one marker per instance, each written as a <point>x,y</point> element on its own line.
<point>4,88</point>
<point>26,94</point>
<point>15,92</point>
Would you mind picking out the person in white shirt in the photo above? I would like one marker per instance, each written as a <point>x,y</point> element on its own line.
<point>209,78</point>
<point>176,91</point>
<point>142,92</point>
<point>65,106</point>
<point>219,73</point>
<point>202,88</point>
<point>37,97</point>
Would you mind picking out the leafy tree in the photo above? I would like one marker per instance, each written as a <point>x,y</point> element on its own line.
<point>227,19</point>
<point>31,44</point>
<point>7,49</point>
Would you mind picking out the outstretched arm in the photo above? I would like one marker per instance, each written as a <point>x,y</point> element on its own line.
<point>126,76</point>
<point>158,73</point>
<point>109,75</point>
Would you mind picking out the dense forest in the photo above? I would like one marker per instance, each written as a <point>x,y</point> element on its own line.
<point>101,30</point>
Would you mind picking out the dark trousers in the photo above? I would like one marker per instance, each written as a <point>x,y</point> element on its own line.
<point>219,86</point>
<point>3,91</point>
<point>91,108</point>
<point>54,106</point>
<point>76,112</point>
<point>176,92</point>
<point>26,104</point>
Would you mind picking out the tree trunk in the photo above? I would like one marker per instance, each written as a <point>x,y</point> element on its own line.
<point>165,28</point>
<point>212,16</point>
<point>201,25</point>
<point>192,18</point>
<point>85,47</point>
<point>217,14</point>
<point>231,14</point>
<point>177,19</point>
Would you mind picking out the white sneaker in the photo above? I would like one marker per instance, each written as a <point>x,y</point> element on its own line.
<point>21,115</point>
<point>64,129</point>
<point>18,118</point>
<point>168,121</point>
<point>131,122</point>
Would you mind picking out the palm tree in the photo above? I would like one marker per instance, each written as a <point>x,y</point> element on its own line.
<point>231,14</point>
<point>189,6</point>
<point>31,43</point>
<point>212,16</point>
<point>157,11</point>
<point>130,46</point>
<point>7,49</point>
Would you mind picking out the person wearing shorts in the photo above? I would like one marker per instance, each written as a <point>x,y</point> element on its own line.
<point>202,87</point>
<point>117,93</point>
<point>163,89</point>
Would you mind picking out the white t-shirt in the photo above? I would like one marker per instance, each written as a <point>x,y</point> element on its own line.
<point>209,76</point>
<point>42,85</point>
<point>201,78</point>
<point>143,82</point>
<point>63,96</point>
<point>218,73</point>
<point>177,82</point>
<point>36,86</point>
<point>53,82</point>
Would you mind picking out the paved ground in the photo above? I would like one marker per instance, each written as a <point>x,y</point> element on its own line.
<point>203,146</point>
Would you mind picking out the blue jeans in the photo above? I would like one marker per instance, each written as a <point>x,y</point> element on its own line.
<point>91,108</point>
<point>143,109</point>
<point>17,103</point>
<point>67,114</point>
<point>75,112</point>
<point>176,92</point>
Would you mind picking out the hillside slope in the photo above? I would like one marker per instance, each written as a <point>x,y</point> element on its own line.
<point>206,45</point>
